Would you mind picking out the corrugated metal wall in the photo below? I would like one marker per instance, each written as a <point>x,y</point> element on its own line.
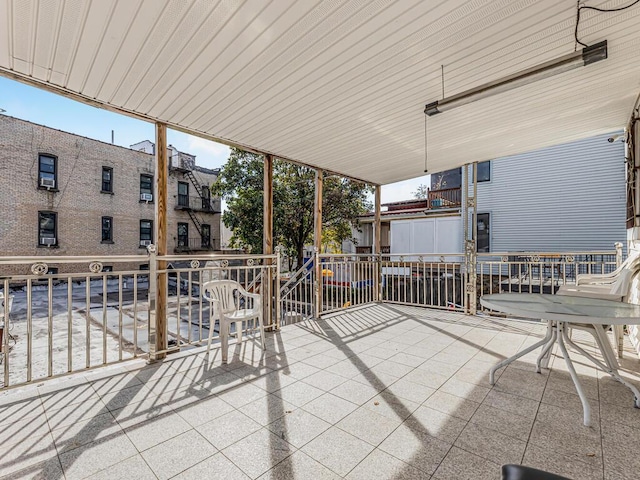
<point>568,197</point>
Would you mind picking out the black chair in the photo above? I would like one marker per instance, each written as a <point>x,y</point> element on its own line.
<point>520,472</point>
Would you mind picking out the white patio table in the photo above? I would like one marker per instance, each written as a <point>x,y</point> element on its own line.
<point>560,311</point>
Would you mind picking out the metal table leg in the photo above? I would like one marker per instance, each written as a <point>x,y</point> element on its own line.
<point>618,333</point>
<point>607,369</point>
<point>546,349</point>
<point>562,334</point>
<point>605,347</point>
<point>509,360</point>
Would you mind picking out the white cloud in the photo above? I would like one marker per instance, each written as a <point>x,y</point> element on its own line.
<point>397,192</point>
<point>213,148</point>
<point>208,154</point>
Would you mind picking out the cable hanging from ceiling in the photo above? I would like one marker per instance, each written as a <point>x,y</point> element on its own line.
<point>597,9</point>
<point>426,169</point>
<point>588,55</point>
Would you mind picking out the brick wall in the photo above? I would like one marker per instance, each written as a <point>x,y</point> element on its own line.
<point>78,201</point>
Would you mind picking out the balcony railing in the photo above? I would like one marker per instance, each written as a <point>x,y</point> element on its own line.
<point>196,244</point>
<point>445,198</point>
<point>538,272</point>
<point>85,317</point>
<point>201,204</point>
<point>361,249</point>
<point>182,161</point>
<point>441,281</point>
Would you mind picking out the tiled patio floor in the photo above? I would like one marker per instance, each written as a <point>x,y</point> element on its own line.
<point>379,392</point>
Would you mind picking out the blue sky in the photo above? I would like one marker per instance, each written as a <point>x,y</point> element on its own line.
<point>55,111</point>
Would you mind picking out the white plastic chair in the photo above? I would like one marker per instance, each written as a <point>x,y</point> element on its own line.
<point>2,307</point>
<point>608,286</point>
<point>225,297</point>
<point>3,323</point>
<point>620,276</point>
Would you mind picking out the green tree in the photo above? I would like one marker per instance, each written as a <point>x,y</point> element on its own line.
<point>240,183</point>
<point>422,192</point>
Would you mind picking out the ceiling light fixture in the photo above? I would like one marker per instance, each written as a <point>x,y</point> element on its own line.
<point>588,55</point>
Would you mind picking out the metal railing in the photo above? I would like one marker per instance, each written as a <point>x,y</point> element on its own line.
<point>347,281</point>
<point>202,204</point>
<point>195,243</point>
<point>451,281</point>
<point>445,198</point>
<point>85,317</point>
<point>297,294</point>
<point>368,249</point>
<point>64,322</point>
<point>434,280</point>
<point>187,315</point>
<point>538,272</point>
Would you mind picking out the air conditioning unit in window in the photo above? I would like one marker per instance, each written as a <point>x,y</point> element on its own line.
<point>146,197</point>
<point>47,182</point>
<point>145,243</point>
<point>48,241</point>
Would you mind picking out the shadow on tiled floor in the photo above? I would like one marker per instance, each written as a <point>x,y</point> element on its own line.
<point>376,392</point>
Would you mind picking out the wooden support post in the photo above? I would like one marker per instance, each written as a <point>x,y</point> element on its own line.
<point>317,212</point>
<point>377,250</point>
<point>267,212</point>
<point>267,236</point>
<point>158,306</point>
<point>378,223</point>
<point>634,131</point>
<point>317,240</point>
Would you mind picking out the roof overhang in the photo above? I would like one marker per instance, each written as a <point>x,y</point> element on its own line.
<point>338,85</point>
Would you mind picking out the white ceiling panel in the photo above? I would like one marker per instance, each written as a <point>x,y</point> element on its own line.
<point>5,25</point>
<point>132,52</point>
<point>93,31</point>
<point>72,15</point>
<point>123,20</point>
<point>337,84</point>
<point>174,54</point>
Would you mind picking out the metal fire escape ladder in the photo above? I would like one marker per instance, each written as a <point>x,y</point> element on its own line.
<point>198,186</point>
<point>195,218</point>
<point>196,221</point>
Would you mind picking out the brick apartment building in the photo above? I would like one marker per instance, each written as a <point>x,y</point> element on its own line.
<point>64,194</point>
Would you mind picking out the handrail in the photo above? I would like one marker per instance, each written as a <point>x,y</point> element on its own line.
<point>446,197</point>
<point>142,258</point>
<point>544,254</point>
<point>253,282</point>
<point>346,255</point>
<point>195,243</point>
<point>442,190</point>
<point>214,256</point>
<point>296,296</point>
<point>67,259</point>
<point>304,267</point>
<point>197,202</point>
<point>110,310</point>
<point>384,254</point>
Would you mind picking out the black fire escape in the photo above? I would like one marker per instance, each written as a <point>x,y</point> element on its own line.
<point>195,206</point>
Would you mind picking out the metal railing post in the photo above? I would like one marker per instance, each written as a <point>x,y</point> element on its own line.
<point>378,292</point>
<point>277,288</point>
<point>153,280</point>
<point>7,327</point>
<point>317,284</point>
<point>472,277</point>
<point>266,291</point>
<point>618,246</point>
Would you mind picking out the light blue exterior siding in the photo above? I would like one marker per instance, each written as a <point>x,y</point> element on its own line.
<point>568,197</point>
